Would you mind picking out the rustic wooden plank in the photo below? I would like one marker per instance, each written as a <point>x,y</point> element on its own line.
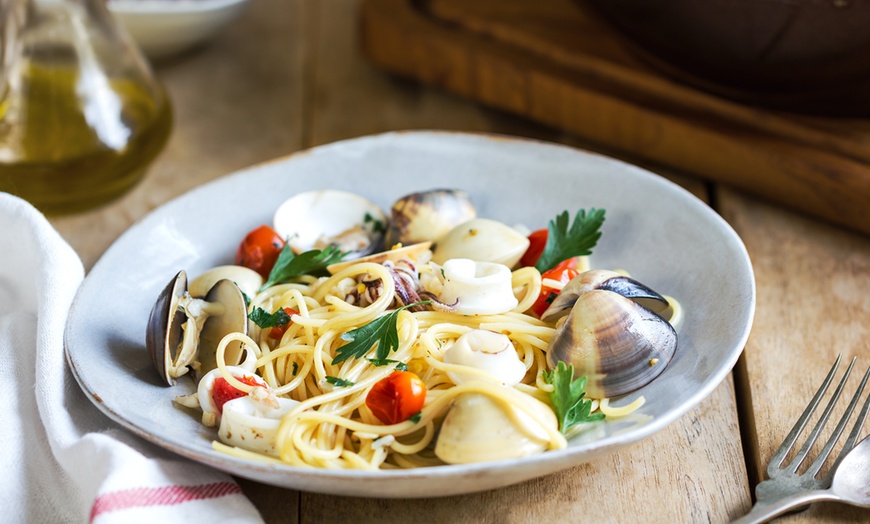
<point>236,102</point>
<point>521,57</point>
<point>813,303</point>
<point>692,471</point>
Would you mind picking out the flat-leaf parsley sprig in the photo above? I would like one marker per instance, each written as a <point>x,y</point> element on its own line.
<point>339,382</point>
<point>264,319</point>
<point>564,242</point>
<point>290,265</point>
<point>382,331</point>
<point>568,398</point>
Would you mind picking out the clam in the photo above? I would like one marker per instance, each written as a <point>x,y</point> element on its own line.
<point>413,252</point>
<point>183,332</point>
<point>612,334</point>
<point>482,240</point>
<point>478,428</point>
<point>248,280</point>
<point>428,215</point>
<point>317,219</point>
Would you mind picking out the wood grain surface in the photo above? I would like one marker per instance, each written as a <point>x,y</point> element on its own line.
<point>290,75</point>
<point>553,62</point>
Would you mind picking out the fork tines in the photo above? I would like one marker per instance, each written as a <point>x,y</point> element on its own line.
<point>791,438</point>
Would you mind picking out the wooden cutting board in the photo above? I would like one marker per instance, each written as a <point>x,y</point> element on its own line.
<point>556,63</point>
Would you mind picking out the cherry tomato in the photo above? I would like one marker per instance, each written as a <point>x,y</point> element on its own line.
<point>563,272</point>
<point>259,250</point>
<point>537,241</point>
<point>223,392</point>
<point>397,397</point>
<point>277,332</point>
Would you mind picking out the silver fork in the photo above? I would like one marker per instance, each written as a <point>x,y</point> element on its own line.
<point>785,489</point>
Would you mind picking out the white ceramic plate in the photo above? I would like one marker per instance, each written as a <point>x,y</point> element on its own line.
<point>663,235</point>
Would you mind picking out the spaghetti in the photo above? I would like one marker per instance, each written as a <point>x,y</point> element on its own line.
<point>466,337</point>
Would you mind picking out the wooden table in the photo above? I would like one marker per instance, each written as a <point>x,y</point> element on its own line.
<point>289,76</point>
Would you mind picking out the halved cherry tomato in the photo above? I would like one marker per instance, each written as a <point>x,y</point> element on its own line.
<point>397,397</point>
<point>223,392</point>
<point>277,332</point>
<point>259,250</point>
<point>537,242</point>
<point>563,272</point>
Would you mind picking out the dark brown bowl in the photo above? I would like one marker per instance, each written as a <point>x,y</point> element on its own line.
<point>801,54</point>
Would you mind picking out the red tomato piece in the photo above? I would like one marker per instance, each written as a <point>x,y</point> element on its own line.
<point>277,332</point>
<point>259,250</point>
<point>537,242</point>
<point>397,397</point>
<point>223,392</point>
<point>563,272</point>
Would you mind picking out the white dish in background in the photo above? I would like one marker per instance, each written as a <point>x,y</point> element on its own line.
<point>659,232</point>
<point>166,27</point>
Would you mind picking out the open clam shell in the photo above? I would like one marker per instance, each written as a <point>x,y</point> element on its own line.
<point>163,333</point>
<point>234,319</point>
<point>185,331</point>
<point>248,280</point>
<point>413,252</point>
<point>317,219</point>
<point>608,336</point>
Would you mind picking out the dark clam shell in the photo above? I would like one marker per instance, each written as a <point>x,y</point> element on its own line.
<point>428,216</point>
<point>617,343</point>
<point>225,305</point>
<point>163,332</point>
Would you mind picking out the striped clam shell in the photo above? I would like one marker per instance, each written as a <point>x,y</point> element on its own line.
<point>617,343</point>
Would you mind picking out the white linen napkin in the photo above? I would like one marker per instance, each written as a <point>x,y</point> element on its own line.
<point>62,460</point>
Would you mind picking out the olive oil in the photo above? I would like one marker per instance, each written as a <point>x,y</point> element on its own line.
<point>70,140</point>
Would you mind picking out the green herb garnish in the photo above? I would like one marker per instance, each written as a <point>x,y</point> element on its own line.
<point>381,331</point>
<point>567,397</point>
<point>264,319</point>
<point>246,297</point>
<point>564,243</point>
<point>377,225</point>
<point>290,265</point>
<point>338,382</point>
<point>400,366</point>
<point>415,418</point>
<point>295,368</point>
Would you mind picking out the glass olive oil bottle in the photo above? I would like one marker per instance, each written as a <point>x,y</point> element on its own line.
<point>81,114</point>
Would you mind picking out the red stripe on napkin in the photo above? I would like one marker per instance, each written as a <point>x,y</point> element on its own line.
<point>162,496</point>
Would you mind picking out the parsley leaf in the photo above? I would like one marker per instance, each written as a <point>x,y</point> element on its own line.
<point>246,297</point>
<point>381,331</point>
<point>416,417</point>
<point>564,243</point>
<point>338,382</point>
<point>567,397</point>
<point>400,366</point>
<point>311,262</point>
<point>377,225</point>
<point>264,319</point>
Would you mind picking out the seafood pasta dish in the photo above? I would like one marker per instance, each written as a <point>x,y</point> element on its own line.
<point>346,337</point>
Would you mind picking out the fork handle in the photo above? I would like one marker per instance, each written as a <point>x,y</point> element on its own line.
<point>764,511</point>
